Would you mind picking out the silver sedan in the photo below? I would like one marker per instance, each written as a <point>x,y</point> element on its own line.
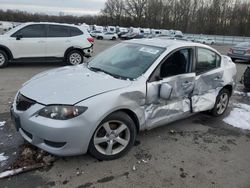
<point>136,85</point>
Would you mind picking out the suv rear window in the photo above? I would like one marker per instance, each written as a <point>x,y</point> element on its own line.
<point>58,31</point>
<point>75,32</point>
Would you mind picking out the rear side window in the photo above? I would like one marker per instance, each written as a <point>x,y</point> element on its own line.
<point>31,31</point>
<point>75,31</point>
<point>58,31</point>
<point>206,60</point>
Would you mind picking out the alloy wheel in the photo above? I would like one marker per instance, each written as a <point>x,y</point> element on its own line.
<point>112,137</point>
<point>222,103</point>
<point>75,58</point>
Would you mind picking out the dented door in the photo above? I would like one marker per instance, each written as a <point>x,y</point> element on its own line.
<point>160,111</point>
<point>209,80</point>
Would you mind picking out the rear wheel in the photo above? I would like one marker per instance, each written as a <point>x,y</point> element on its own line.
<point>74,57</point>
<point>221,103</point>
<point>100,38</point>
<point>114,38</point>
<point>3,59</point>
<point>113,137</point>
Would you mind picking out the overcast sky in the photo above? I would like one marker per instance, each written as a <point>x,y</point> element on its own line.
<point>74,7</point>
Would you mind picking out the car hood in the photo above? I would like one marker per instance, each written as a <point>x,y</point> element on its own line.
<point>69,85</point>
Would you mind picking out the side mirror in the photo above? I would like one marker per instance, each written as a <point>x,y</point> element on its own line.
<point>165,91</point>
<point>19,36</point>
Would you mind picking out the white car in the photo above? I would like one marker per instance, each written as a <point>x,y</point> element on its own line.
<point>107,36</point>
<point>206,41</point>
<point>45,41</point>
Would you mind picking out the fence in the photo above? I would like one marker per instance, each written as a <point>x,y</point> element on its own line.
<point>219,39</point>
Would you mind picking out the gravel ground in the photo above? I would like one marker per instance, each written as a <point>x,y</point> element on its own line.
<point>200,151</point>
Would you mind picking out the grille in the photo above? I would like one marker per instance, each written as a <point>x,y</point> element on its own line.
<point>23,103</point>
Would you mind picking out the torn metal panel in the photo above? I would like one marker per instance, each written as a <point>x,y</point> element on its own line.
<point>164,112</point>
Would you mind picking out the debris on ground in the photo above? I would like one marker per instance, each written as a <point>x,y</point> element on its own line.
<point>3,158</point>
<point>2,123</point>
<point>239,116</point>
<point>28,158</point>
<point>134,168</point>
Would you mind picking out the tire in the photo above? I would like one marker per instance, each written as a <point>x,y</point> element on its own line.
<point>222,100</point>
<point>100,38</point>
<point>114,38</point>
<point>100,148</point>
<point>246,79</point>
<point>3,59</point>
<point>75,57</point>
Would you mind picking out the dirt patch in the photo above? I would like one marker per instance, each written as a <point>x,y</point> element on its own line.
<point>30,155</point>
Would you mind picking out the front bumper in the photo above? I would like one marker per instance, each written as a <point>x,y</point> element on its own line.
<point>63,138</point>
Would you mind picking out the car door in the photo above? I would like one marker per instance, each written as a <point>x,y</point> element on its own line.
<point>172,76</point>
<point>58,40</point>
<point>208,80</point>
<point>29,41</point>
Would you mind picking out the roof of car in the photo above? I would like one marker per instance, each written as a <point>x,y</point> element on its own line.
<point>54,23</point>
<point>166,42</point>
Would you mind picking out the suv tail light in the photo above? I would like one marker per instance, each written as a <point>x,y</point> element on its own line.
<point>90,39</point>
<point>248,51</point>
<point>230,50</point>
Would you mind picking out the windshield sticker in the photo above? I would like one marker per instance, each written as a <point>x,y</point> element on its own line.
<point>149,50</point>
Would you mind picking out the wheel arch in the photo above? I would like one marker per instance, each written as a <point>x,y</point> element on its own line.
<point>70,49</point>
<point>229,88</point>
<point>7,51</point>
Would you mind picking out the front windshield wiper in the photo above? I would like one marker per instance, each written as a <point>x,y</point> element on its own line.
<point>97,69</point>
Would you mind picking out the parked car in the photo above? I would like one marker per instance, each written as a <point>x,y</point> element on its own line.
<point>107,36</point>
<point>246,78</point>
<point>205,41</point>
<point>136,85</point>
<point>129,36</point>
<point>241,51</point>
<point>121,33</point>
<point>45,41</point>
<point>94,33</point>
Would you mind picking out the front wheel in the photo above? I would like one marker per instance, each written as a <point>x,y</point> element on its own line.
<point>113,137</point>
<point>221,103</point>
<point>3,59</point>
<point>74,57</point>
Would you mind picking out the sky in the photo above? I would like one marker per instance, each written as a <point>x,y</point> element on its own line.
<point>54,7</point>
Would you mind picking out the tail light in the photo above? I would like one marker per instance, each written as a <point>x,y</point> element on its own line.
<point>90,39</point>
<point>230,50</point>
<point>248,51</point>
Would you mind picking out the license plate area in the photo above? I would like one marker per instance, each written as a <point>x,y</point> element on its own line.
<point>241,52</point>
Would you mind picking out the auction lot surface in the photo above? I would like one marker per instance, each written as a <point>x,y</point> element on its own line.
<point>200,151</point>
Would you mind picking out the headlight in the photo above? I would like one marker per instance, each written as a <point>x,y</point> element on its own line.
<point>62,112</point>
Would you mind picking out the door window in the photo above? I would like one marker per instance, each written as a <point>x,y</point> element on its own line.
<point>58,31</point>
<point>206,60</point>
<point>31,31</point>
<point>177,63</point>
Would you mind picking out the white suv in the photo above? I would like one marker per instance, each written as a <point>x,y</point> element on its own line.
<point>45,42</point>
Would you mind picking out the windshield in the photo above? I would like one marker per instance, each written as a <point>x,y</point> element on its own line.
<point>126,60</point>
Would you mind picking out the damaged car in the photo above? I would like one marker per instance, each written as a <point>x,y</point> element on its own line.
<point>134,86</point>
